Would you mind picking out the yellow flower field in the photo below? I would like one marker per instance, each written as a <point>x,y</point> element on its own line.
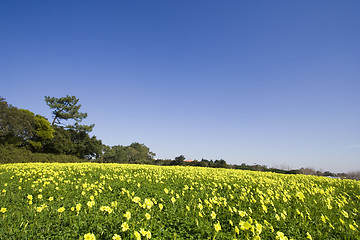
<point>114,201</point>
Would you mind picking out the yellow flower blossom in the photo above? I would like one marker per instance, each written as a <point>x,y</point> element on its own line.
<point>161,206</point>
<point>78,207</point>
<point>217,226</point>
<point>90,204</point>
<point>124,227</point>
<point>89,236</point>
<point>352,227</point>
<point>116,237</point>
<point>127,215</point>
<point>237,230</point>
<point>245,225</point>
<point>148,235</point>
<point>60,210</point>
<point>281,236</point>
<point>143,232</point>
<point>137,235</point>
<point>242,213</point>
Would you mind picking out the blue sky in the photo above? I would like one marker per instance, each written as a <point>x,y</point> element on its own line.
<point>269,82</point>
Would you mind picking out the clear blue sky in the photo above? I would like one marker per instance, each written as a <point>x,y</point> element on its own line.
<point>270,82</point>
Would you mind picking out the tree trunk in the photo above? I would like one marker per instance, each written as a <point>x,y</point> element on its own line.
<point>53,122</point>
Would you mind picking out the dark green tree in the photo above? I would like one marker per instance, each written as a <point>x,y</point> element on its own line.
<point>85,146</point>
<point>22,128</point>
<point>220,163</point>
<point>73,138</point>
<point>179,160</point>
<point>61,143</point>
<point>67,108</point>
<point>134,153</point>
<point>41,134</point>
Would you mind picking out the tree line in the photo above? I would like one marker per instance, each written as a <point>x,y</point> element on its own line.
<point>21,128</point>
<point>23,132</point>
<point>26,136</point>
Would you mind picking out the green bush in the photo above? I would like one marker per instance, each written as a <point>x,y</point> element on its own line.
<point>9,154</point>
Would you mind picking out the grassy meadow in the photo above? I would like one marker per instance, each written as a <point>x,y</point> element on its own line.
<point>118,201</point>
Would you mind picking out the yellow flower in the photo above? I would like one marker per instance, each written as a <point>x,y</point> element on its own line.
<point>281,236</point>
<point>147,216</point>
<point>237,230</point>
<point>148,235</point>
<point>308,236</point>
<point>127,215</point>
<point>352,227</point>
<point>136,199</point>
<point>90,203</point>
<point>116,237</point>
<point>173,200</point>
<point>114,204</point>
<point>78,207</point>
<point>143,232</point>
<point>60,210</point>
<point>89,236</point>
<point>217,226</point>
<point>161,206</point>
<point>51,199</point>
<point>137,235</point>
<point>244,225</point>
<point>300,195</point>
<point>30,197</point>
<point>264,208</point>
<point>213,215</point>
<point>148,203</point>
<point>124,227</point>
<point>3,210</point>
<point>242,213</point>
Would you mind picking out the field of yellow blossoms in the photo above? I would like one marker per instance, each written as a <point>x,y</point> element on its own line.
<point>114,201</point>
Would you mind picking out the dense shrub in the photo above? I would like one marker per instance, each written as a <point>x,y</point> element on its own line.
<point>9,154</point>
